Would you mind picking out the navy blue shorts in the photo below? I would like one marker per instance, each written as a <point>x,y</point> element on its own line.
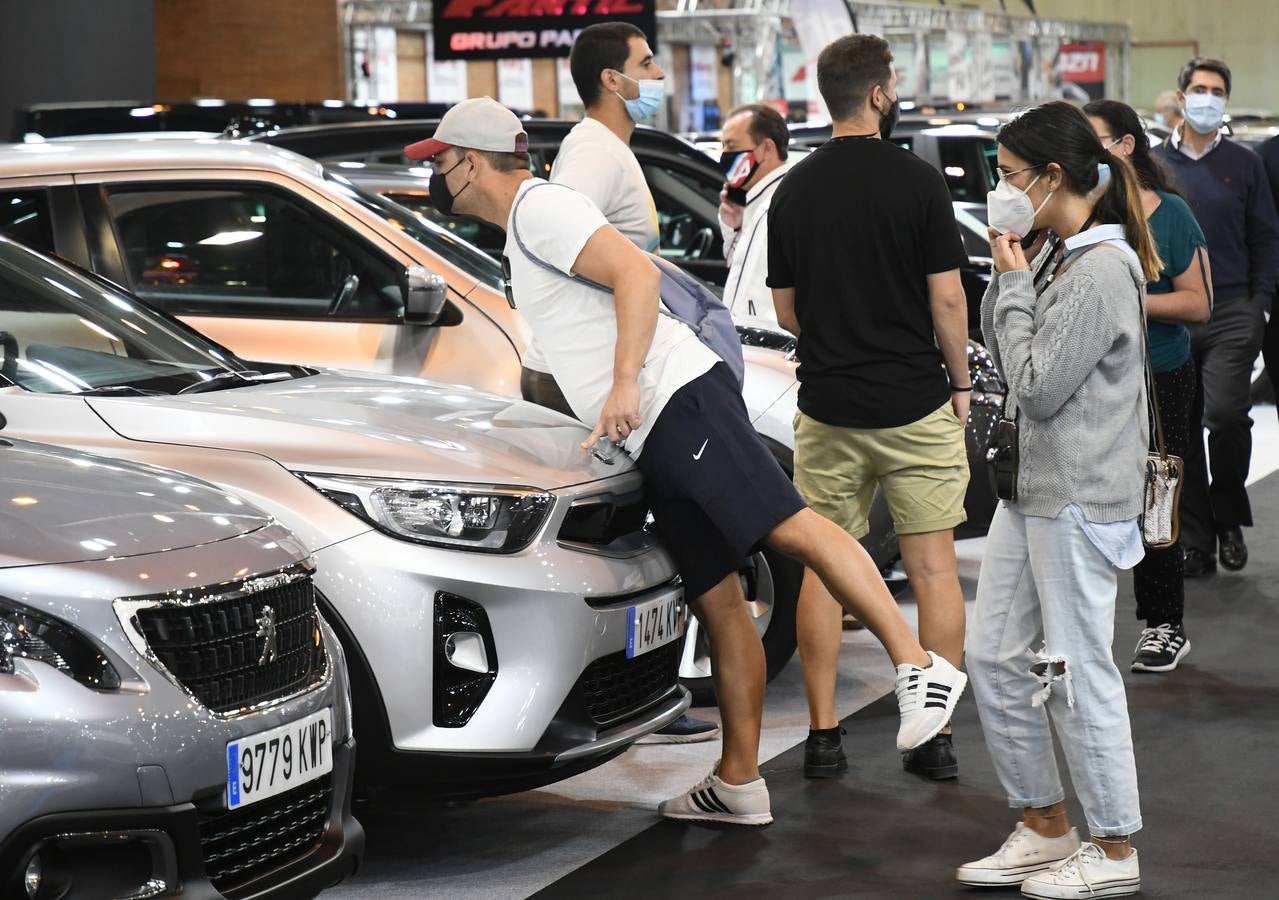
<point>714,489</point>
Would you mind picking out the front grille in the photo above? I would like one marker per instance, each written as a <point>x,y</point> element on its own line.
<point>602,520</point>
<point>615,688</point>
<point>218,649</point>
<point>245,844</point>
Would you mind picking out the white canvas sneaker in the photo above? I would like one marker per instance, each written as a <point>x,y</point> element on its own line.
<point>1025,853</point>
<point>714,800</point>
<point>1089,873</point>
<point>926,699</point>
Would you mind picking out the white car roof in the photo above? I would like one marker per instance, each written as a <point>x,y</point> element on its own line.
<point>145,152</point>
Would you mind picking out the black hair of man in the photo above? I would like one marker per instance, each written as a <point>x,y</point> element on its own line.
<point>1203,64</point>
<point>606,45</point>
<point>848,68</point>
<point>766,123</point>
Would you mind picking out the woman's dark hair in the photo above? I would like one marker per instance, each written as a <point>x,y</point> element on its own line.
<point>1060,133</point>
<point>604,45</point>
<point>1121,119</point>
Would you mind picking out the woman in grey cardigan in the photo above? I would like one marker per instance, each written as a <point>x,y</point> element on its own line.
<point>1067,332</point>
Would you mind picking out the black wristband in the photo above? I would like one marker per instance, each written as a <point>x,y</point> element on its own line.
<point>961,390</point>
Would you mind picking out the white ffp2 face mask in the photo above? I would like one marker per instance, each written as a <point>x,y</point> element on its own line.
<point>1008,207</point>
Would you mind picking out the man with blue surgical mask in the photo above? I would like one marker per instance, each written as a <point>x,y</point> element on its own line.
<point>1230,196</point>
<point>620,84</point>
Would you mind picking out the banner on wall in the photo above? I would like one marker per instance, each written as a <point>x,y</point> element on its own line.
<point>569,97</point>
<point>445,79</point>
<point>375,63</point>
<point>1082,70</point>
<point>527,29</point>
<point>703,83</point>
<point>515,83</point>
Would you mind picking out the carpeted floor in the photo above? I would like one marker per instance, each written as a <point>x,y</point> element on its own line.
<point>1206,756</point>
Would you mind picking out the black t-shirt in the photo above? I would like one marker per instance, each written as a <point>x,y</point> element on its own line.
<point>856,229</point>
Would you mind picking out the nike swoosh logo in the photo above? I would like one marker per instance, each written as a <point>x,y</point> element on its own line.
<point>698,454</point>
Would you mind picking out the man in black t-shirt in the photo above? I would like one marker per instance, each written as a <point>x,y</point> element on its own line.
<point>863,260</point>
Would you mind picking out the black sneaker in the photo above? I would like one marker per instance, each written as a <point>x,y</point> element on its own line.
<point>935,759</point>
<point>684,730</point>
<point>1159,649</point>
<point>824,756</point>
<point>1199,564</point>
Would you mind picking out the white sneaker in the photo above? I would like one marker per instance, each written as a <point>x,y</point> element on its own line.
<point>1089,873</point>
<point>714,800</point>
<point>1025,853</point>
<point>926,698</point>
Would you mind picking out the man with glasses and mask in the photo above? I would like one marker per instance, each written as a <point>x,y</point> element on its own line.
<point>1226,186</point>
<point>755,140</point>
<point>864,258</point>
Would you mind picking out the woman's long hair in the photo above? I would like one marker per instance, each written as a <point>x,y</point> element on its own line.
<point>1060,133</point>
<point>1121,119</point>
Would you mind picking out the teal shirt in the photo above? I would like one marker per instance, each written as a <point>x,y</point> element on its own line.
<point>1177,234</point>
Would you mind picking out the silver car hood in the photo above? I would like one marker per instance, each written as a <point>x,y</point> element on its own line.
<point>352,424</point>
<point>64,506</point>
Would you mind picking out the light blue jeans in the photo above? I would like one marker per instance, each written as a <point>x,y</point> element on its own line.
<point>1044,584</point>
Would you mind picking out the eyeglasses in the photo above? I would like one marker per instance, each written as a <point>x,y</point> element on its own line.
<point>1004,175</point>
<point>506,281</point>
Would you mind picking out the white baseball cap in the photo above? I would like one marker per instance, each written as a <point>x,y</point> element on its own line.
<point>480,123</point>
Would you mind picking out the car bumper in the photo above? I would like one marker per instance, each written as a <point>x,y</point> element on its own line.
<point>180,841</point>
<point>557,618</point>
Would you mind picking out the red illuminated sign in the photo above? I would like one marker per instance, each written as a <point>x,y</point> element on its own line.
<point>497,29</point>
<point>1083,63</point>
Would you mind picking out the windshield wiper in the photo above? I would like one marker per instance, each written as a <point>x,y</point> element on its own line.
<point>249,376</point>
<point>120,389</point>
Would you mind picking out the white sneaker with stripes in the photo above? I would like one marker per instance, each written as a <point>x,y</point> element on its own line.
<point>926,699</point>
<point>715,800</point>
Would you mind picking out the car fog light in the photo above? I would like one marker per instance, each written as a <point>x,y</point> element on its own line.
<point>465,649</point>
<point>465,660</point>
<point>32,877</point>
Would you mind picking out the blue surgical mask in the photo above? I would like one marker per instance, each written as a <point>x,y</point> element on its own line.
<point>1205,112</point>
<point>652,92</point>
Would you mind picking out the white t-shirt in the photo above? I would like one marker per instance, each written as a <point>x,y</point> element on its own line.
<point>746,293</point>
<point>598,164</point>
<point>576,325</point>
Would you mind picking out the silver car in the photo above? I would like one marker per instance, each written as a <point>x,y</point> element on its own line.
<point>508,620</point>
<point>175,713</point>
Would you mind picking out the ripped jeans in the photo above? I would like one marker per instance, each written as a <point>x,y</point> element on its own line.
<point>1039,644</point>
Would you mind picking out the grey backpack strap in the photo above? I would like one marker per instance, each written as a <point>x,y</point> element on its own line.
<point>537,260</point>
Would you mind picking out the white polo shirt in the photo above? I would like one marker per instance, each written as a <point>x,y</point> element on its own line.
<point>575,325</point>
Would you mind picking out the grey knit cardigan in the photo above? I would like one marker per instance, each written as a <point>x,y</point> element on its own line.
<point>1074,359</point>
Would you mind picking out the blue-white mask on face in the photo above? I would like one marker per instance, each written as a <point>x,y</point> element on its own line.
<point>652,92</point>
<point>1205,112</point>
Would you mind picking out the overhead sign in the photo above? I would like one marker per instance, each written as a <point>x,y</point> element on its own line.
<point>513,29</point>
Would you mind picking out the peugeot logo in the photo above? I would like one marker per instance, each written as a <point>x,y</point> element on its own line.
<point>266,630</point>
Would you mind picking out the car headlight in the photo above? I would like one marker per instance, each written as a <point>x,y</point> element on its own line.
<point>27,634</point>
<point>458,516</point>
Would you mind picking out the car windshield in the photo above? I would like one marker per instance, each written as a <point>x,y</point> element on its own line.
<point>455,251</point>
<point>62,332</point>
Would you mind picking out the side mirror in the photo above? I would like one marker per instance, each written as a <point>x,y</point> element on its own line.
<point>424,295</point>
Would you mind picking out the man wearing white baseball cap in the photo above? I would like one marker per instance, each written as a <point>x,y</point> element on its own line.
<point>655,389</point>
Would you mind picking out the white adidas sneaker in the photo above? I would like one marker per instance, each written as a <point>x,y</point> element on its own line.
<point>1089,873</point>
<point>714,800</point>
<point>926,699</point>
<point>1025,853</point>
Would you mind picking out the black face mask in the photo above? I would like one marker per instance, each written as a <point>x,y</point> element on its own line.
<point>888,121</point>
<point>441,197</point>
<point>739,167</point>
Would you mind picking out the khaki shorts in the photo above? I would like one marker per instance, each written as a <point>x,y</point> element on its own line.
<point>922,469</point>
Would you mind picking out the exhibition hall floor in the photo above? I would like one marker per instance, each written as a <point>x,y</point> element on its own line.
<point>1205,753</point>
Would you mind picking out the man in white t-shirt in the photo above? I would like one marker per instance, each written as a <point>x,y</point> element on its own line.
<point>610,62</point>
<point>755,141</point>
<point>653,387</point>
